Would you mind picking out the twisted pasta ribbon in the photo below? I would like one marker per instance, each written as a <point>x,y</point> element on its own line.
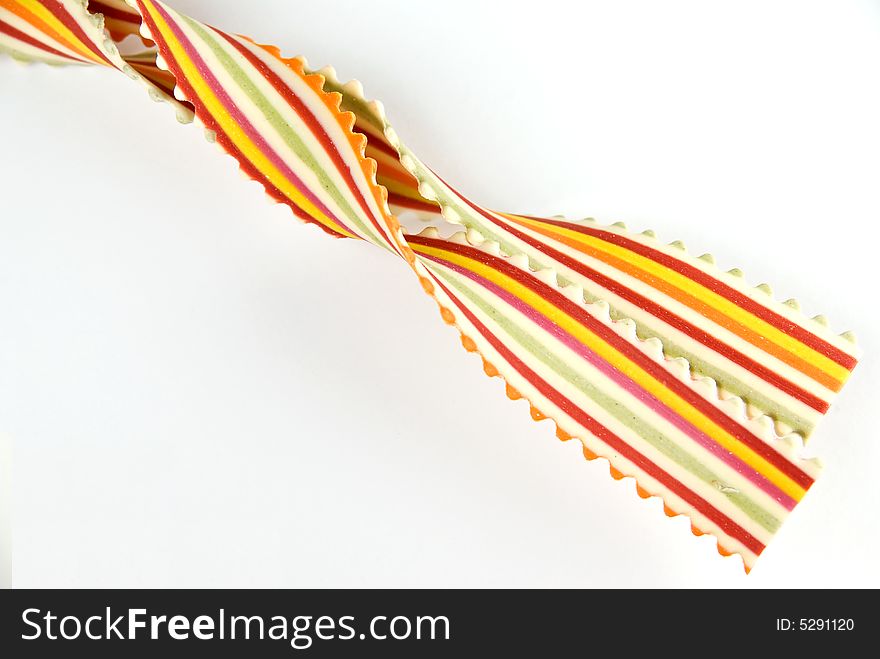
<point>680,375</point>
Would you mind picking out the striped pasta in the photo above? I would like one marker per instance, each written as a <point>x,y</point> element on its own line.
<point>681,376</point>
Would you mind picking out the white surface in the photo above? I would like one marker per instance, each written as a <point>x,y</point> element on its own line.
<point>188,404</point>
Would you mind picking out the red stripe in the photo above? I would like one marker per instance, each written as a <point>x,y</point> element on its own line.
<point>381,145</point>
<point>15,33</point>
<point>113,12</point>
<point>651,367</point>
<point>737,297</point>
<point>208,120</point>
<point>415,204</point>
<point>314,126</point>
<point>705,508</point>
<point>665,315</point>
<point>61,14</point>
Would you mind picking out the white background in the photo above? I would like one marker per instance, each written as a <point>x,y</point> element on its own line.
<point>203,392</point>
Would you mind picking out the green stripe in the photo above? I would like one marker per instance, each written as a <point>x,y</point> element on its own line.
<point>291,139</point>
<point>358,106</point>
<point>423,174</point>
<point>732,384</point>
<point>611,405</point>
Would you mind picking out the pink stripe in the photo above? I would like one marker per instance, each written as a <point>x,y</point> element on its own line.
<point>628,385</point>
<point>240,119</point>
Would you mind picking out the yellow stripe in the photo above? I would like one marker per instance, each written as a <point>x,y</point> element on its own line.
<point>399,188</point>
<point>627,367</point>
<point>711,298</point>
<point>73,42</point>
<point>235,132</point>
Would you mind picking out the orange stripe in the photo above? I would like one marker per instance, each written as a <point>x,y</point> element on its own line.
<point>400,175</point>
